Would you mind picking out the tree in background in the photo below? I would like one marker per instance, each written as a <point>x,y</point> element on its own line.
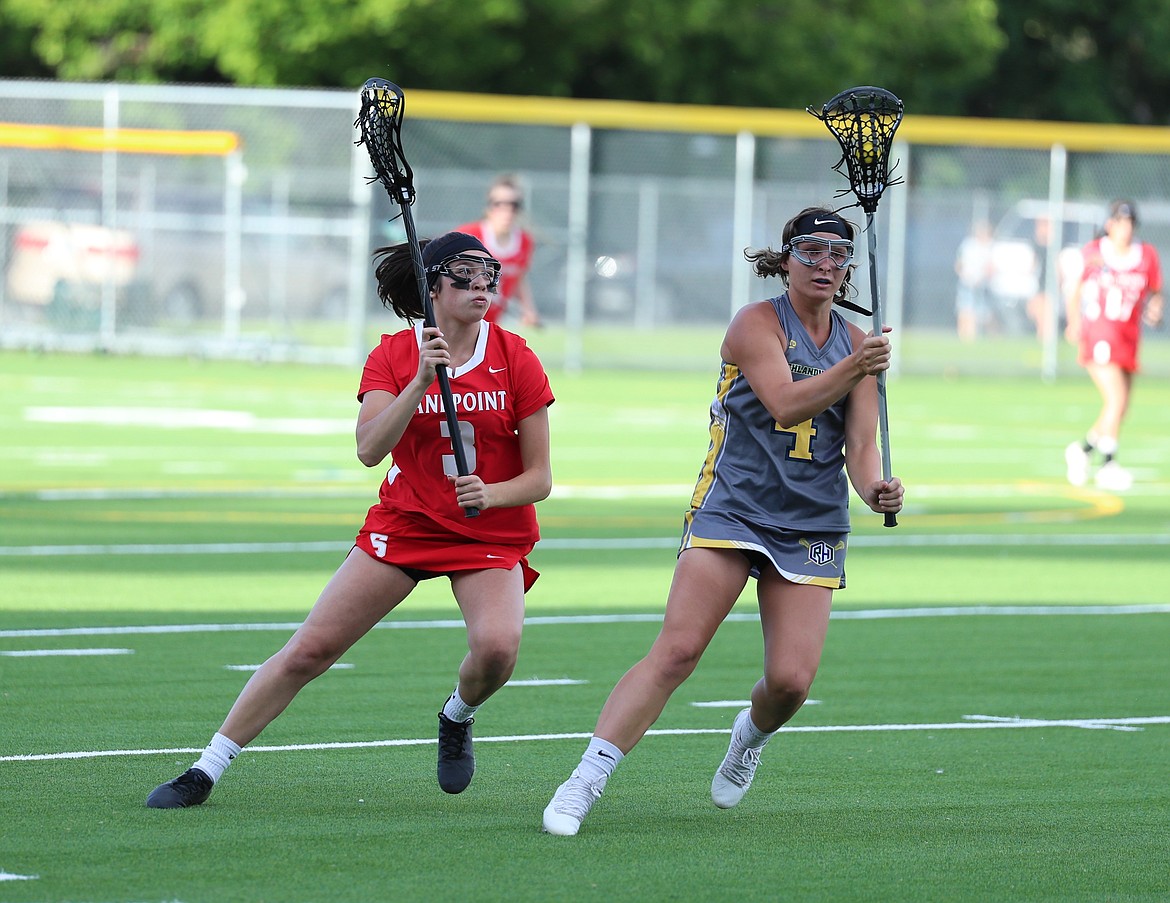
<point>1083,60</point>
<point>1080,61</point>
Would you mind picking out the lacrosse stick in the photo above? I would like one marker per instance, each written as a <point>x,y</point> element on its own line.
<point>863,120</point>
<point>380,121</point>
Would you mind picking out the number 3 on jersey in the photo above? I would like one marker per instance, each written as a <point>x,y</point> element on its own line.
<point>802,437</point>
<point>467,435</point>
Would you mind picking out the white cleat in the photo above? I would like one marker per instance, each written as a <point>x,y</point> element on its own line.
<point>1077,463</point>
<point>1114,477</point>
<point>570,804</point>
<point>735,773</point>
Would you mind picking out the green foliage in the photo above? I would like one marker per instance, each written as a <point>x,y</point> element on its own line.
<point>1044,59</point>
<point>768,53</point>
<point>18,58</point>
<point>1080,61</point>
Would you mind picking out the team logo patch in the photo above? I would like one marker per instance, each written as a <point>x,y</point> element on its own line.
<point>791,344</point>
<point>820,552</point>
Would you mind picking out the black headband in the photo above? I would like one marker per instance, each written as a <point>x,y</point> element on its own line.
<point>448,245</point>
<point>822,221</point>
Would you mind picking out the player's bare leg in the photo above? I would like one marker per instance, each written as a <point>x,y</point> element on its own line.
<point>706,584</point>
<point>1114,385</point>
<point>492,602</point>
<point>794,618</point>
<point>361,593</point>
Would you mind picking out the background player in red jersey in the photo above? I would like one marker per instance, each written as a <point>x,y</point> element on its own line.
<point>510,244</point>
<point>418,530</point>
<point>1120,286</point>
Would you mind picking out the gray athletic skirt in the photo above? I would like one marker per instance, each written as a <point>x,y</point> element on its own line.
<point>816,558</point>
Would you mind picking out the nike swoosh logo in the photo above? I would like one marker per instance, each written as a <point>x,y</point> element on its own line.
<point>824,222</point>
<point>496,556</point>
<point>604,754</point>
<point>496,369</point>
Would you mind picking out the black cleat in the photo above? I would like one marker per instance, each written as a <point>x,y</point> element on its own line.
<point>190,788</point>
<point>456,760</point>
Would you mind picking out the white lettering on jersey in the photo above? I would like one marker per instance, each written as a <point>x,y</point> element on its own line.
<point>465,401</point>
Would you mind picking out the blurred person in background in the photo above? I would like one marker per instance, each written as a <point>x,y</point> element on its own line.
<point>974,265</point>
<point>792,425</point>
<point>511,244</point>
<point>1039,305</point>
<point>418,530</point>
<point>1120,286</point>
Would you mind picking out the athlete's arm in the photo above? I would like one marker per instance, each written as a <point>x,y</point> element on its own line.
<point>1153,310</point>
<point>755,343</point>
<point>384,416</point>
<point>529,316</point>
<point>1072,312</point>
<point>532,484</point>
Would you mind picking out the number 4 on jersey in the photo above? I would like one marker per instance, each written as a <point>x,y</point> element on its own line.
<point>802,434</point>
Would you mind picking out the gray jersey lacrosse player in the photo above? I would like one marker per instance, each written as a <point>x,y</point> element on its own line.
<point>774,489</point>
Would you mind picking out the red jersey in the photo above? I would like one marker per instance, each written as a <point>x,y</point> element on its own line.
<point>1114,290</point>
<point>502,384</point>
<point>515,258</point>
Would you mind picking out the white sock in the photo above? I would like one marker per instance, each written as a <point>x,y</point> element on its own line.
<point>1107,446</point>
<point>455,709</point>
<point>217,757</point>
<point>600,759</point>
<point>751,736</point>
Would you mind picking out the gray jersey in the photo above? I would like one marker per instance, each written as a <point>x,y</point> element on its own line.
<point>787,476</point>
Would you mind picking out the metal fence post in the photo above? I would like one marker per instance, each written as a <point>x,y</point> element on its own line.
<point>741,232</point>
<point>580,137</point>
<point>1057,172</point>
<point>108,311</point>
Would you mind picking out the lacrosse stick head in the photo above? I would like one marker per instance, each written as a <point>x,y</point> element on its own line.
<point>380,122</point>
<point>863,120</point>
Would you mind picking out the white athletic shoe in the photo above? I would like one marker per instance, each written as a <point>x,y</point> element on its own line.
<point>1114,477</point>
<point>735,773</point>
<point>1077,462</point>
<point>570,804</point>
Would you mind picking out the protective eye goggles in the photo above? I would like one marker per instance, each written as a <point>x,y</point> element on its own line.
<point>464,269</point>
<point>813,249</point>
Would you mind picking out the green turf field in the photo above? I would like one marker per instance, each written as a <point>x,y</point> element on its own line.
<point>990,722</point>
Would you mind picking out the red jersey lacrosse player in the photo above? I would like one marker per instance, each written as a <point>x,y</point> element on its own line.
<point>1119,287</point>
<point>418,528</point>
<point>511,245</point>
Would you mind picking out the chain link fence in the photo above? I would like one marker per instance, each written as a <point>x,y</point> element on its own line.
<point>241,222</point>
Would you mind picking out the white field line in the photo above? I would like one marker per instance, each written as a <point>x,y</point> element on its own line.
<point>8,876</point>
<point>738,703</point>
<point>938,540</point>
<point>37,653</point>
<point>190,418</point>
<point>971,722</point>
<point>549,620</point>
<point>337,666</point>
<point>561,490</point>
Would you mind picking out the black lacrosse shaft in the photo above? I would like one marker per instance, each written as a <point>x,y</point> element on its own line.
<point>440,371</point>
<point>878,329</point>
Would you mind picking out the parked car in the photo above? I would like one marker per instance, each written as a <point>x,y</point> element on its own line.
<point>171,268</point>
<point>49,258</point>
